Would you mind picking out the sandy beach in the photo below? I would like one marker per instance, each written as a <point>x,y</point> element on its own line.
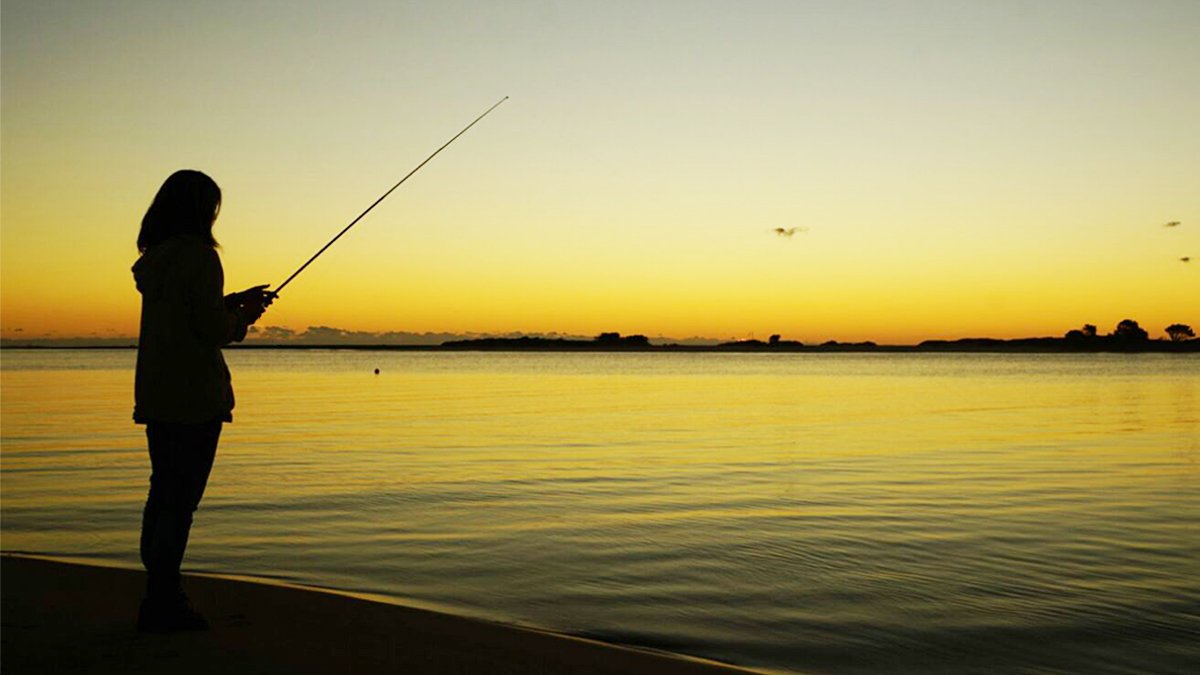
<point>69,618</point>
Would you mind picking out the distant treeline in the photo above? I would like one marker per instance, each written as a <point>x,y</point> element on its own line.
<point>1127,337</point>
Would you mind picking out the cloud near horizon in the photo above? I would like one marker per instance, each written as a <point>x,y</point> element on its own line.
<point>328,335</point>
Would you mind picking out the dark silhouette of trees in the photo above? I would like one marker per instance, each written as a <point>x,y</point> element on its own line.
<point>773,340</point>
<point>1179,332</point>
<point>1129,330</point>
<point>1127,335</point>
<point>615,340</point>
<point>1081,334</point>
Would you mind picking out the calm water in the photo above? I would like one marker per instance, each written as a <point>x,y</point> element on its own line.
<point>818,512</point>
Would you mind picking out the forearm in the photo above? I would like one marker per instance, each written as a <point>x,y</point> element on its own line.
<point>218,325</point>
<point>240,324</point>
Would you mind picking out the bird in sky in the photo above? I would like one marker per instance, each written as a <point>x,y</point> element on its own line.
<point>1173,223</point>
<point>789,231</point>
<point>1185,259</point>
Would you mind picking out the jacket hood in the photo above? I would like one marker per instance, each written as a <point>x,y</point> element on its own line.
<point>152,267</point>
<point>146,270</point>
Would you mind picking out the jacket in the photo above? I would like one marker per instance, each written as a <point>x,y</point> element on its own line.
<point>181,375</point>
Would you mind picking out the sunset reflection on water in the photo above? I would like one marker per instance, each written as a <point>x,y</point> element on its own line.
<point>819,511</point>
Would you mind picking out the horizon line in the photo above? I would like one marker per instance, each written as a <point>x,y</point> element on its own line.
<point>325,336</point>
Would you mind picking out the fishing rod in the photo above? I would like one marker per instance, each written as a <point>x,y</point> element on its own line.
<point>360,216</point>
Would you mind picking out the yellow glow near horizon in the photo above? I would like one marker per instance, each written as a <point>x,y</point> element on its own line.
<point>963,169</point>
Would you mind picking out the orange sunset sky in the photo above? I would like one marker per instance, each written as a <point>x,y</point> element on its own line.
<point>963,168</point>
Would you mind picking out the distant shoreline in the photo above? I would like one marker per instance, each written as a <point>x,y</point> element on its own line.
<point>970,345</point>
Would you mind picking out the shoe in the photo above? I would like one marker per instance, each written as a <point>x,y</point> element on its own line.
<point>168,615</point>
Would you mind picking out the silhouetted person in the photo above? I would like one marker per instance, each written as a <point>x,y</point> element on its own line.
<point>182,390</point>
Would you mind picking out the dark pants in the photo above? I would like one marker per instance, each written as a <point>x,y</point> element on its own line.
<point>181,457</point>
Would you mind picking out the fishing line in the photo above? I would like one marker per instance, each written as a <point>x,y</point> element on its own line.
<point>376,203</point>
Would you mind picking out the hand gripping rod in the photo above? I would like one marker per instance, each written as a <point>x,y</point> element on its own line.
<point>360,216</point>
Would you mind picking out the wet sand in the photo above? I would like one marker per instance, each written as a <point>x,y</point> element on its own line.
<point>68,618</point>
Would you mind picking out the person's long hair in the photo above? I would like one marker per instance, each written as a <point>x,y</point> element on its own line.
<point>187,203</point>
